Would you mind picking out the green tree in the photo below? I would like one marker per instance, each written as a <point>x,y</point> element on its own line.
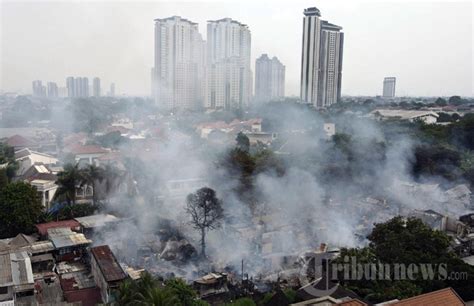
<point>407,241</point>
<point>441,102</point>
<point>91,175</point>
<point>455,100</point>
<point>68,181</point>
<point>206,212</point>
<point>20,209</point>
<point>242,302</point>
<point>243,142</point>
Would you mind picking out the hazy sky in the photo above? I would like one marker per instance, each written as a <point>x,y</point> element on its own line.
<point>427,45</point>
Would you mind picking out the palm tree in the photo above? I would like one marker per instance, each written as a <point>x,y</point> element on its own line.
<point>91,175</point>
<point>160,297</point>
<point>128,293</point>
<point>68,180</point>
<point>113,178</point>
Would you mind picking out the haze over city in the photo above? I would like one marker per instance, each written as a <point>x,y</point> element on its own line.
<point>236,153</point>
<point>114,41</point>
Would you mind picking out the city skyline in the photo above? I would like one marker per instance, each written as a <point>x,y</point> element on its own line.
<point>375,45</point>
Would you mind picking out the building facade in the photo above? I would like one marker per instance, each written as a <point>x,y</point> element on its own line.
<point>389,87</point>
<point>38,89</point>
<point>269,79</point>
<point>71,87</point>
<point>321,60</point>
<point>52,90</point>
<point>178,77</point>
<point>96,87</point>
<point>77,87</point>
<point>229,82</point>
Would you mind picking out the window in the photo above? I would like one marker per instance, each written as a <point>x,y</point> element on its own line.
<point>3,290</point>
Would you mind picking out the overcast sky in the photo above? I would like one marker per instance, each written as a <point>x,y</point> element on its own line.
<point>427,45</point>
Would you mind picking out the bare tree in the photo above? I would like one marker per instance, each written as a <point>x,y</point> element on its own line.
<point>206,212</point>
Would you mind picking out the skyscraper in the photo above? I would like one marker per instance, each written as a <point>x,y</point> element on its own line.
<point>178,76</point>
<point>112,90</point>
<point>78,88</point>
<point>85,87</point>
<point>330,64</point>
<point>52,90</point>
<point>321,60</point>
<point>389,87</point>
<point>269,79</point>
<point>96,87</point>
<point>71,87</point>
<point>228,59</point>
<point>38,89</point>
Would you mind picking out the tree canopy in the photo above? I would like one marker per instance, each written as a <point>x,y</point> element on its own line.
<point>20,209</point>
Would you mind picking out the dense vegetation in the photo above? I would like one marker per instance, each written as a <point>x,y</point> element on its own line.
<point>400,241</point>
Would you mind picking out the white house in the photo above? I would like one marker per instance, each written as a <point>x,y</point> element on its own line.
<point>428,117</point>
<point>26,158</point>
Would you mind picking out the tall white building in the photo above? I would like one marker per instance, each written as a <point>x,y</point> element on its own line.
<point>269,79</point>
<point>85,87</point>
<point>52,90</point>
<point>38,89</point>
<point>229,83</point>
<point>77,87</point>
<point>178,77</point>
<point>96,87</point>
<point>389,87</point>
<point>71,87</point>
<point>112,90</point>
<point>321,60</point>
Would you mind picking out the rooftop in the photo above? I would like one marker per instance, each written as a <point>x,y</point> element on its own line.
<point>96,220</point>
<point>178,18</point>
<point>43,227</point>
<point>312,11</point>
<point>229,20</point>
<point>19,141</point>
<point>107,263</point>
<point>63,237</point>
<point>86,149</point>
<point>441,297</point>
<point>403,114</point>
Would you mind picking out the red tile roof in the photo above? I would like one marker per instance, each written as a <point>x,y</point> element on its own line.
<point>86,149</point>
<point>87,297</point>
<point>107,263</point>
<point>43,227</point>
<point>19,141</point>
<point>443,297</point>
<point>353,302</point>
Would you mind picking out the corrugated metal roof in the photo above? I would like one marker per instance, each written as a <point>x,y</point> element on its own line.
<point>5,271</point>
<point>43,227</point>
<point>107,263</point>
<point>22,272</point>
<point>64,237</point>
<point>96,220</point>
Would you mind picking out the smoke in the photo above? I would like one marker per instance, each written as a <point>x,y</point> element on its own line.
<point>330,191</point>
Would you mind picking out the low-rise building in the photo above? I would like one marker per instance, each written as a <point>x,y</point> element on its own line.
<point>107,272</point>
<point>68,245</point>
<point>27,158</point>
<point>16,276</point>
<point>428,117</point>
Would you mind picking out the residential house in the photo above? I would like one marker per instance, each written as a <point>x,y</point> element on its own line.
<point>43,228</point>
<point>446,296</point>
<point>428,117</point>
<point>68,245</point>
<point>16,276</point>
<point>86,154</point>
<point>18,142</point>
<point>27,157</point>
<point>107,272</point>
<point>89,224</point>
